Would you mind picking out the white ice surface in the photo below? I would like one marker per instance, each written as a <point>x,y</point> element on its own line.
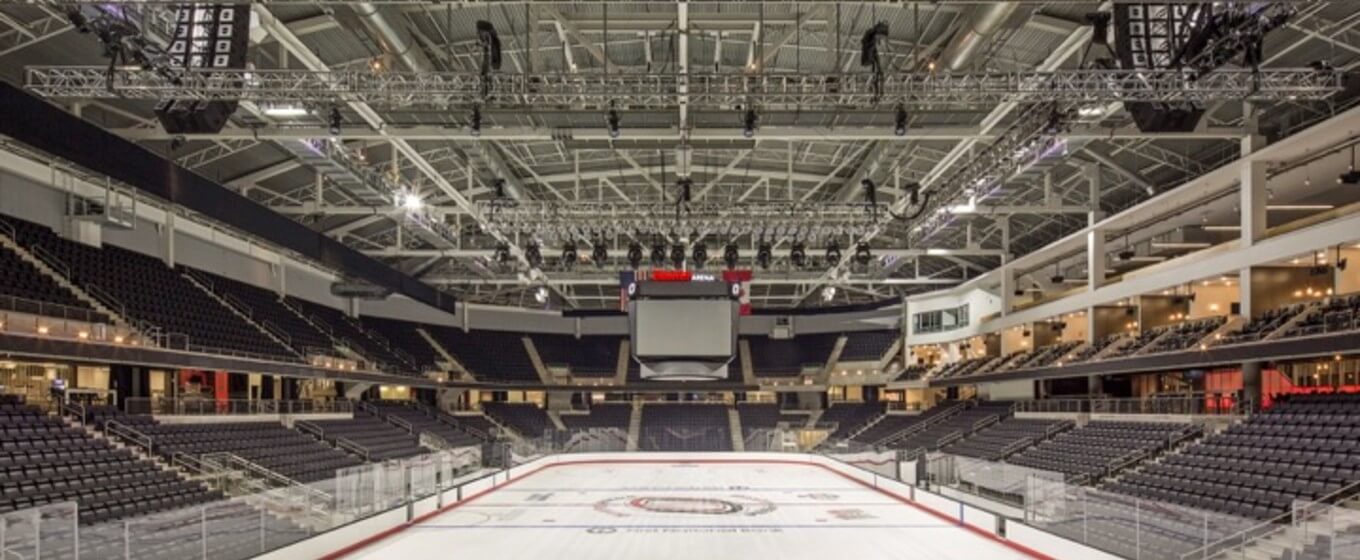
<point>690,512</point>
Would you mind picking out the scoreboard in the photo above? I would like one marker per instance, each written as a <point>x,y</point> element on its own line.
<point>683,325</point>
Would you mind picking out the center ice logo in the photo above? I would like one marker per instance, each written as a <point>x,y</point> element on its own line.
<point>633,506</point>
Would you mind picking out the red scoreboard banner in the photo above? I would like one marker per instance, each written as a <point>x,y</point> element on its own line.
<point>739,280</point>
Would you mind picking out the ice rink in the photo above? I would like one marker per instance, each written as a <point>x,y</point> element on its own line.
<point>667,510</point>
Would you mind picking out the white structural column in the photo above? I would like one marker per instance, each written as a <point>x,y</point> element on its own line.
<point>168,238</point>
<point>1095,239</point>
<point>1007,274</point>
<point>1253,198</point>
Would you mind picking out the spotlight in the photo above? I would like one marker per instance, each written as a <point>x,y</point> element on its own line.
<point>541,294</point>
<point>600,253</point>
<point>763,254</point>
<point>678,255</point>
<point>475,122</point>
<point>336,121</point>
<point>749,123</point>
<point>833,254</point>
<point>828,293</point>
<point>731,255</point>
<point>500,187</point>
<point>634,254</point>
<point>1127,255</point>
<point>612,120</point>
<point>502,253</point>
<point>658,255</point>
<point>700,255</point>
<point>412,202</point>
<point>798,254</point>
<point>862,254</point>
<point>1057,279</point>
<point>900,121</point>
<point>490,42</point>
<point>569,256</point>
<point>533,255</point>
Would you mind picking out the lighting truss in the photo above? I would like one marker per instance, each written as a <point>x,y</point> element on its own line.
<point>578,2</point>
<point>656,91</point>
<point>585,220</point>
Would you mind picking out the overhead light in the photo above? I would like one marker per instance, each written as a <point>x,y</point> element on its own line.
<point>699,255</point>
<point>658,256</point>
<point>541,294</point>
<point>284,110</point>
<point>475,122</point>
<point>336,121</point>
<point>678,255</point>
<point>600,253</point>
<point>634,254</point>
<point>1351,177</point>
<point>1300,207</point>
<point>502,254</point>
<point>533,255</point>
<point>900,121</point>
<point>569,256</point>
<point>1180,245</point>
<point>749,123</point>
<point>412,202</point>
<point>798,254</point>
<point>833,254</point>
<point>1222,228</point>
<point>828,294</point>
<point>612,121</point>
<point>731,255</point>
<point>863,255</point>
<point>764,252</point>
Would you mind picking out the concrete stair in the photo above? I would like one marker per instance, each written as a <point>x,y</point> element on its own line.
<point>734,428</point>
<point>634,426</point>
<point>199,283</point>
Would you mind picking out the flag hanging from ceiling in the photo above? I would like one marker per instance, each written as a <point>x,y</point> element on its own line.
<point>741,281</point>
<point>627,285</point>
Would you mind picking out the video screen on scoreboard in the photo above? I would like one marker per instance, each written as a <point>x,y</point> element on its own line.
<point>683,328</point>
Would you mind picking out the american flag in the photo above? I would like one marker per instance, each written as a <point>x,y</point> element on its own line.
<point>741,279</point>
<point>627,283</point>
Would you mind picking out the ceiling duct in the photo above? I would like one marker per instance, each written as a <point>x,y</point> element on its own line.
<point>394,38</point>
<point>983,22</point>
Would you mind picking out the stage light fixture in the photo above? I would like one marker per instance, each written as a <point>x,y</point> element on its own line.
<point>699,255</point>
<point>502,254</point>
<point>1351,176</point>
<point>731,255</point>
<point>833,254</point>
<point>541,294</point>
<point>336,121</point>
<point>863,254</point>
<point>900,121</point>
<point>750,121</point>
<point>634,254</point>
<point>475,122</point>
<point>798,254</point>
<point>533,255</point>
<point>1127,255</point>
<point>612,121</point>
<point>500,187</point>
<point>600,253</point>
<point>658,255</point>
<point>569,256</point>
<point>490,41</point>
<point>678,255</point>
<point>764,252</point>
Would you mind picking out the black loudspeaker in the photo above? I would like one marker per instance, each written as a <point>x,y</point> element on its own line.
<point>1158,36</point>
<point>1162,117</point>
<point>189,116</point>
<point>210,37</point>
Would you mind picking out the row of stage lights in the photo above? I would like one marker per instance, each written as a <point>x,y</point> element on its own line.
<point>675,255</point>
<point>613,120</point>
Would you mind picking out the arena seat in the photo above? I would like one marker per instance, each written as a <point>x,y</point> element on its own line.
<point>961,424</point>
<point>526,418</point>
<point>601,415</point>
<point>868,346</point>
<point>772,357</point>
<point>1304,447</point>
<point>44,461</point>
<point>403,335</point>
<point>891,425</point>
<point>377,350</point>
<point>1000,440</point>
<point>20,279</point>
<point>587,356</point>
<point>268,444</point>
<point>849,417</point>
<point>758,416</point>
<point>266,308</point>
<point>378,439</point>
<point>425,419</point>
<point>684,427</point>
<point>1095,448</point>
<point>488,355</point>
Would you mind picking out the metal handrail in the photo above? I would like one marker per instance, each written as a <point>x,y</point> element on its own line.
<point>53,310</point>
<point>353,447</point>
<point>106,298</point>
<point>277,331</point>
<point>8,229</point>
<point>240,306</point>
<point>52,261</point>
<point>126,432</point>
<point>401,423</point>
<point>1259,530</point>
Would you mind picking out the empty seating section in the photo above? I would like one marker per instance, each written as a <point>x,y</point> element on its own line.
<point>784,357</point>
<point>1091,350</point>
<point>22,280</point>
<point>1184,335</point>
<point>684,427</point>
<point>98,415</point>
<point>266,309</point>
<point>601,415</point>
<point>350,332</point>
<point>849,417</point>
<point>867,346</point>
<point>403,335</point>
<point>156,294</point>
<point>1048,355</point>
<point>1302,448</point>
<point>892,425</point>
<point>758,416</point>
<point>474,424</point>
<point>425,419</point>
<point>1096,448</point>
<point>912,373</point>
<point>375,439</point>
<point>1263,326</point>
<point>966,367</point>
<point>489,355</point>
<point>588,356</point>
<point>1337,314</point>
<point>1143,339</point>
<point>526,418</point>
<point>44,461</point>
<point>997,441</point>
<point>961,424</point>
<point>268,444</point>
